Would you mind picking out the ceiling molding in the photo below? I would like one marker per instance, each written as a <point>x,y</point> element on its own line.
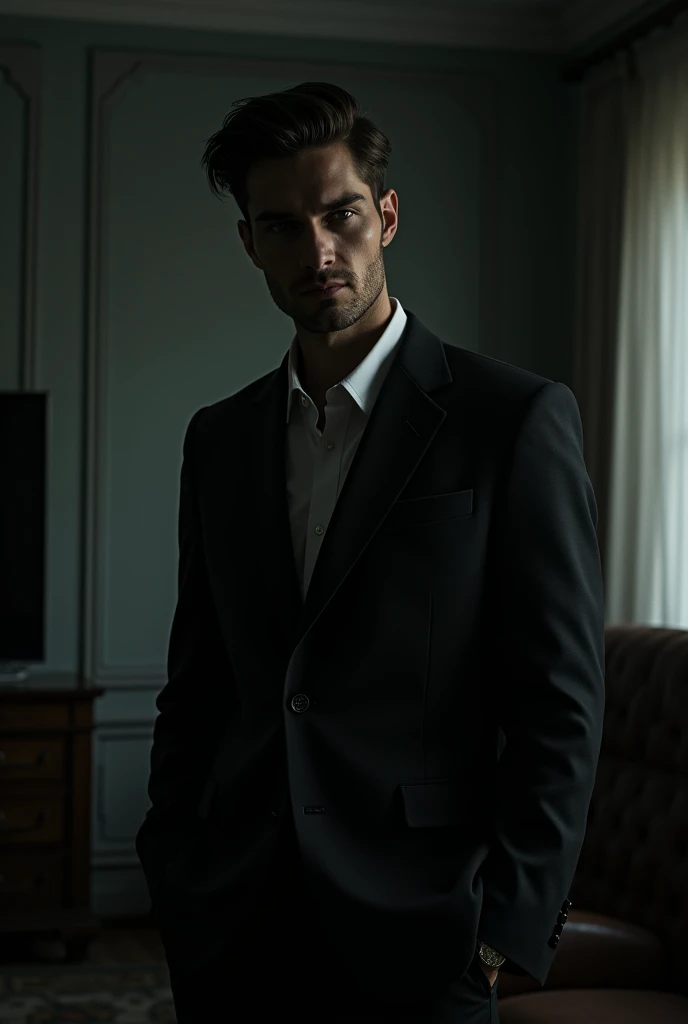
<point>549,26</point>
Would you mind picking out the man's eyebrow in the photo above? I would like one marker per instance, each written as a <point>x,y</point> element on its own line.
<point>347,199</point>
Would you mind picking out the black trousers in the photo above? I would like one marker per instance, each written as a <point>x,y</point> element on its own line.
<point>227,994</point>
<point>280,966</point>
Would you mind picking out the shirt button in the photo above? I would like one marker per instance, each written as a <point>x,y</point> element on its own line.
<point>329,446</point>
<point>319,529</point>
<point>304,401</point>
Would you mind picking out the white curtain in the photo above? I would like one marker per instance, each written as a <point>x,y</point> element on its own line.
<point>647,558</point>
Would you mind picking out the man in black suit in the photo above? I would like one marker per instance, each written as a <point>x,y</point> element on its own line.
<point>377,745</point>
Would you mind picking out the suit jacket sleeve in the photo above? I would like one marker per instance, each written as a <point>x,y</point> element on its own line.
<point>547,631</point>
<point>194,704</point>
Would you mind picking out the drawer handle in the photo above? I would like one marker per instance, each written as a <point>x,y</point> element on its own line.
<point>41,758</point>
<point>11,830</point>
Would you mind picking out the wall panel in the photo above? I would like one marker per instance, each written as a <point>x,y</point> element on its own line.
<point>180,317</point>
<point>20,84</point>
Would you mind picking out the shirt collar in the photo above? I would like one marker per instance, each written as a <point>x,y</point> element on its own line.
<point>364,382</point>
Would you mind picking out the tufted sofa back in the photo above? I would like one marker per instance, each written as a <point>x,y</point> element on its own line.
<point>634,860</point>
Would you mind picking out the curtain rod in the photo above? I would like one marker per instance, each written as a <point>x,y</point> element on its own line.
<point>662,18</point>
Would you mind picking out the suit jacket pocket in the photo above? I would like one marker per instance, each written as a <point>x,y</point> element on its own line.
<point>431,508</point>
<point>429,803</point>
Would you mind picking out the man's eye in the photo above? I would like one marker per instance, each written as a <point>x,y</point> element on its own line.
<point>282,223</point>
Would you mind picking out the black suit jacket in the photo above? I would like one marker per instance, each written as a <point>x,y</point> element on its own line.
<point>432,713</point>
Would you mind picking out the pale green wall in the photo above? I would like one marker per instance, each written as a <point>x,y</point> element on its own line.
<point>163,356</point>
<point>534,246</point>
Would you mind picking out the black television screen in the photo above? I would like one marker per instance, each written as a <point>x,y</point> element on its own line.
<point>22,526</point>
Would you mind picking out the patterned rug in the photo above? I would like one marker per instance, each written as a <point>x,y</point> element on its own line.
<point>86,994</point>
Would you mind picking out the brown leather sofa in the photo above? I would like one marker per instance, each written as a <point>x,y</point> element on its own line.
<point>623,954</point>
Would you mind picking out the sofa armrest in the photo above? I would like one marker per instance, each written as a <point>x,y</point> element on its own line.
<point>597,951</point>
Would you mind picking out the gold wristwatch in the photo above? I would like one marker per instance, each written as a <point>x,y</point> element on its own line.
<point>489,956</point>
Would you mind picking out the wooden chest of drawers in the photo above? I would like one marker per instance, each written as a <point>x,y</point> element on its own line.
<point>45,813</point>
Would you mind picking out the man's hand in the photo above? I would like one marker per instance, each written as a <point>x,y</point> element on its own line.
<point>489,972</point>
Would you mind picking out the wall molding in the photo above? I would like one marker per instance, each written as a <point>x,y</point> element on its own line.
<point>108,850</point>
<point>20,66</point>
<point>476,92</point>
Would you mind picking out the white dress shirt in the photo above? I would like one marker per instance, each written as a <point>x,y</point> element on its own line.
<point>318,461</point>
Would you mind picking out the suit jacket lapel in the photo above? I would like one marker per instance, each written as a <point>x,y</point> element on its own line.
<point>402,425</point>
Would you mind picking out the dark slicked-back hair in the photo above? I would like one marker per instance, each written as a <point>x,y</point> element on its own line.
<point>281,124</point>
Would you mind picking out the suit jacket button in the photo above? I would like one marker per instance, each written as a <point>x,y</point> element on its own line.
<point>300,703</point>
